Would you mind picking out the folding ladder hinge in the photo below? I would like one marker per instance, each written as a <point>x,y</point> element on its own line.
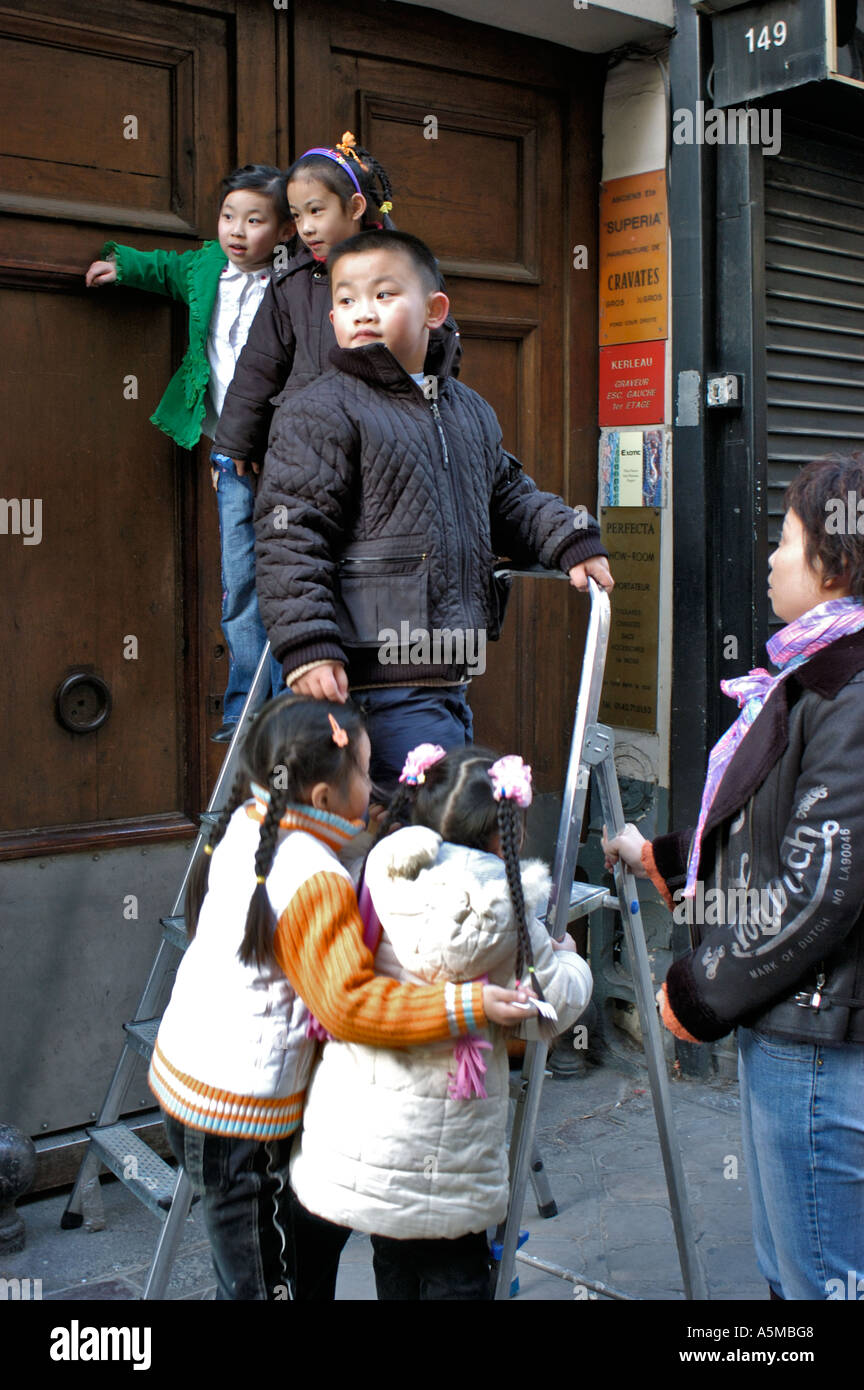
<point>598,744</point>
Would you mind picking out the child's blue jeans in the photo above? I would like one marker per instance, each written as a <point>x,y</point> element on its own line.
<point>241,621</point>
<point>246,1205</point>
<point>266,1247</point>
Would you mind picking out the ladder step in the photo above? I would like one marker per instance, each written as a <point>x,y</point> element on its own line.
<point>145,1174</point>
<point>584,898</point>
<point>142,1035</point>
<point>174,931</point>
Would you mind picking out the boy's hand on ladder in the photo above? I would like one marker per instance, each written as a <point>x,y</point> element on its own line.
<point>597,568</point>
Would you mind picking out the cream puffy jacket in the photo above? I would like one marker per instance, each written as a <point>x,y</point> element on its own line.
<point>383,1148</point>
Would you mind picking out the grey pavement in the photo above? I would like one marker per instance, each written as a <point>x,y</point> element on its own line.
<point>598,1137</point>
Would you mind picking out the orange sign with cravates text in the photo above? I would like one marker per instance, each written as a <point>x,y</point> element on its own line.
<point>634,227</point>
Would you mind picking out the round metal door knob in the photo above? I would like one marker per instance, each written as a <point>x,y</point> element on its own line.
<point>83,703</point>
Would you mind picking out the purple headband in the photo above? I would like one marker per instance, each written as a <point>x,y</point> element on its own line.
<point>337,159</point>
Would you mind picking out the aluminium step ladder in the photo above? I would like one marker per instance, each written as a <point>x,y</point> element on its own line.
<point>591,750</point>
<point>112,1144</point>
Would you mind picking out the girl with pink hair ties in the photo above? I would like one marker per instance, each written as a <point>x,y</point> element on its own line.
<point>410,1145</point>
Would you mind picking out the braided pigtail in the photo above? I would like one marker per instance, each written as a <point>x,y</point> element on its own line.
<point>377,187</point>
<point>256,947</point>
<point>399,810</point>
<point>196,887</point>
<point>510,834</point>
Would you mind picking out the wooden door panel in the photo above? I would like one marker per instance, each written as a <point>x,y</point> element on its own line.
<point>98,590</point>
<point>473,221</point>
<point>113,586</point>
<point>118,104</point>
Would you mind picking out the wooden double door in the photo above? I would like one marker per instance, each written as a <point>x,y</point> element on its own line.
<point>120,119</point>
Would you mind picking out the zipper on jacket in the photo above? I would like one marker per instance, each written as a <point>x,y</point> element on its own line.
<point>437,414</point>
<point>464,539</point>
<point>379,559</point>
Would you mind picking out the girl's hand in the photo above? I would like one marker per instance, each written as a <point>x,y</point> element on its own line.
<point>100,273</point>
<point>565,944</point>
<point>242,466</point>
<point>628,847</point>
<point>506,1006</point>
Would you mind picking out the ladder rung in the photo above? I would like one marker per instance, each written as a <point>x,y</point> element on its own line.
<point>584,898</point>
<point>174,931</point>
<point>142,1035</point>
<point>146,1175</point>
<point>208,818</point>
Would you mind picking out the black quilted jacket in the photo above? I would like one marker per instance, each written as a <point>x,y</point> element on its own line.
<point>378,506</point>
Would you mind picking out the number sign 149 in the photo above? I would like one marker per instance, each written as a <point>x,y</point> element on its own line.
<point>766,37</point>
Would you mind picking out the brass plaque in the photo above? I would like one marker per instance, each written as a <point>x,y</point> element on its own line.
<point>632,537</point>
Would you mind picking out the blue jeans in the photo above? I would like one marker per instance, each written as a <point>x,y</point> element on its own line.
<point>802,1120</point>
<point>241,621</point>
<point>246,1204</point>
<point>398,719</point>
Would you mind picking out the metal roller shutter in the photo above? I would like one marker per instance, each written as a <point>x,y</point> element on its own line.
<point>814,307</point>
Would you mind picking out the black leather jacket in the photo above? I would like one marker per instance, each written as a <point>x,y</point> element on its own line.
<point>787,827</point>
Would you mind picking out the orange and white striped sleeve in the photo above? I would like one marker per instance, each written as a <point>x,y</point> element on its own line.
<point>319,945</point>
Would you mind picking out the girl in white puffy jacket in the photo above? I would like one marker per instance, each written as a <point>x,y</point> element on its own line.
<point>409,1145</point>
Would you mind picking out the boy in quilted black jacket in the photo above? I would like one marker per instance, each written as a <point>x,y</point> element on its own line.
<point>385,496</point>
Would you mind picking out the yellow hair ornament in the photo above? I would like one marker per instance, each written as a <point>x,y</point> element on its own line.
<point>259,878</point>
<point>208,849</point>
<point>386,208</point>
<point>346,145</point>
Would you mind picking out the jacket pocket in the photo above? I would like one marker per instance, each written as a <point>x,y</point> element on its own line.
<point>381,585</point>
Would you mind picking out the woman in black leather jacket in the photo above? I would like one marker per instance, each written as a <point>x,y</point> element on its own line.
<point>772,882</point>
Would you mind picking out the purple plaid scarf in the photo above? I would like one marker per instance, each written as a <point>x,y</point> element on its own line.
<point>790,647</point>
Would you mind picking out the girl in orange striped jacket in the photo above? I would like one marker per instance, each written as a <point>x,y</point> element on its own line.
<point>276,956</point>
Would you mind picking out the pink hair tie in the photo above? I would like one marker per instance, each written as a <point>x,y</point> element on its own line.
<point>511,781</point>
<point>419,761</point>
